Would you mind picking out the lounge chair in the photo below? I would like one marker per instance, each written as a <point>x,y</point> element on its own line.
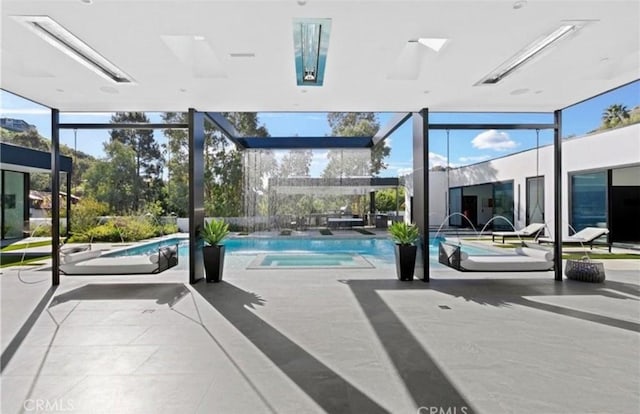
<point>585,236</point>
<point>532,230</point>
<point>91,263</point>
<point>523,259</point>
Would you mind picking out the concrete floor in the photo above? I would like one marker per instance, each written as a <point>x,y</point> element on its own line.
<point>306,341</point>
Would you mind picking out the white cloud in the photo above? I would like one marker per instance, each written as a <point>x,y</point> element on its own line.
<point>473,159</point>
<point>438,159</point>
<point>494,140</point>
<point>404,171</point>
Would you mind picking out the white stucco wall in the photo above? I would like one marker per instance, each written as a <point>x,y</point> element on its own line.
<point>615,148</point>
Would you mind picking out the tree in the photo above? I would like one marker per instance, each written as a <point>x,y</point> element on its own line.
<point>110,180</point>
<point>614,115</point>
<point>177,160</point>
<point>228,172</point>
<point>42,181</point>
<point>350,162</point>
<point>365,162</point>
<point>295,163</point>
<point>147,182</point>
<point>386,199</point>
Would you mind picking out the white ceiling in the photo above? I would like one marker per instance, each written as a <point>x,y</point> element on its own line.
<point>367,45</point>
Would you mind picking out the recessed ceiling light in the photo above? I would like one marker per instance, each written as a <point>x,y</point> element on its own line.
<point>426,92</point>
<point>86,1</point>
<point>183,90</point>
<point>301,2</point>
<point>303,91</point>
<point>198,37</point>
<point>62,39</point>
<point>529,52</point>
<point>59,90</point>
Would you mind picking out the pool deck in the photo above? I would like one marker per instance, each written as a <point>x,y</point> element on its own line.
<point>338,341</point>
<point>321,340</point>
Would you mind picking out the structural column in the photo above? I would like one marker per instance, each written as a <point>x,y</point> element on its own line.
<point>372,208</point>
<point>196,194</point>
<point>69,173</point>
<point>55,197</point>
<point>421,182</point>
<point>557,187</point>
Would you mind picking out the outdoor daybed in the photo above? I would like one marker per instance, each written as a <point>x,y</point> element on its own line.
<point>92,264</point>
<point>524,259</point>
<point>532,230</point>
<point>586,236</point>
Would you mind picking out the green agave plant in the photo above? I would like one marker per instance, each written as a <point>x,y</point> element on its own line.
<point>404,233</point>
<point>214,231</point>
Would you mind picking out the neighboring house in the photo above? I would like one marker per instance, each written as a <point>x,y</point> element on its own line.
<point>16,165</point>
<point>16,125</point>
<point>40,203</point>
<point>600,185</point>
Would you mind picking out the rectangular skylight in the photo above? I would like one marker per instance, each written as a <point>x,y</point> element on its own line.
<point>528,53</point>
<point>311,43</point>
<point>65,41</point>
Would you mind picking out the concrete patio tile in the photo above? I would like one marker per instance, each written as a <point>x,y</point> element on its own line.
<point>315,341</point>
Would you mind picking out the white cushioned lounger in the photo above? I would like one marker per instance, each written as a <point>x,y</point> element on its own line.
<point>111,265</point>
<point>89,264</point>
<point>524,260</point>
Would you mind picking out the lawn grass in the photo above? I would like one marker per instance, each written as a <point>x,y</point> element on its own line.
<point>31,261</point>
<point>19,246</point>
<point>325,232</point>
<point>580,254</point>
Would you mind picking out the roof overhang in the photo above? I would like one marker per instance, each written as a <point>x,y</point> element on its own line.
<point>239,55</point>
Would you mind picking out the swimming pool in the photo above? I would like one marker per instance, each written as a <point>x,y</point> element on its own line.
<point>381,248</point>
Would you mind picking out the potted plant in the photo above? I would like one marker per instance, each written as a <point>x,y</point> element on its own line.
<point>405,236</point>
<point>213,233</point>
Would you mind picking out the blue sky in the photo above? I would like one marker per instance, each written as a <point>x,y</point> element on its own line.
<point>466,147</point>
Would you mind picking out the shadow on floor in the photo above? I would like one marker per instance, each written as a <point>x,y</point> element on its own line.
<point>506,292</point>
<point>162,293</point>
<point>423,379</point>
<point>24,330</point>
<point>326,387</point>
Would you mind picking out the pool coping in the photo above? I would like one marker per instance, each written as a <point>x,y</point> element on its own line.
<point>256,263</point>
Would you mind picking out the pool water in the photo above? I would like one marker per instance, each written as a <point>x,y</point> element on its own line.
<point>380,248</point>
<point>303,260</point>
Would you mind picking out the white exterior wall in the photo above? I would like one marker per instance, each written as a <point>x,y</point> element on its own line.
<point>614,148</point>
<point>609,149</point>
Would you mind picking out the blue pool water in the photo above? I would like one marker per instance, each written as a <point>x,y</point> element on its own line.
<point>381,248</point>
<point>309,260</point>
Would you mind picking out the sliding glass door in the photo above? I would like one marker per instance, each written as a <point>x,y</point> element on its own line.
<point>535,200</point>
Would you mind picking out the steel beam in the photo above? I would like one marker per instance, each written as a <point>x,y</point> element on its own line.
<point>390,128</point>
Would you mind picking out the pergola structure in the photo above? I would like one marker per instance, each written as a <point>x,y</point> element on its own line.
<point>408,57</point>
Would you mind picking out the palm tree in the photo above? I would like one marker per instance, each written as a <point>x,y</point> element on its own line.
<point>614,115</point>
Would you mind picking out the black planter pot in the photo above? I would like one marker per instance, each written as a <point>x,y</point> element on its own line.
<point>213,262</point>
<point>405,261</point>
